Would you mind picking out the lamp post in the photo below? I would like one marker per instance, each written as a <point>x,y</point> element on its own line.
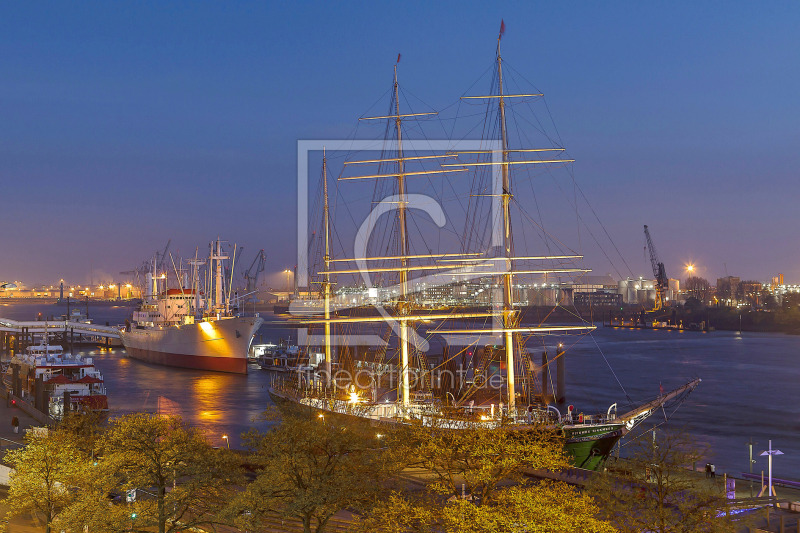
<point>288,283</point>
<point>227,441</point>
<point>750,447</point>
<point>769,453</point>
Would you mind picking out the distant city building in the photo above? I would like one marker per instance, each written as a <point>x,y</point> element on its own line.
<point>637,291</point>
<point>600,298</point>
<point>750,293</point>
<point>112,291</point>
<point>727,289</point>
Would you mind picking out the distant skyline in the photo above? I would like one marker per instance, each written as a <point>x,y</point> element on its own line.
<point>125,125</point>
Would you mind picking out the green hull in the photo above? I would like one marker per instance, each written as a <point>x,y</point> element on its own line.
<point>588,445</point>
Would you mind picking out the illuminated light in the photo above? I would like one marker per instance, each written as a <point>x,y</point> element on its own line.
<point>380,436</point>
<point>207,327</point>
<point>353,397</point>
<point>484,417</point>
<point>321,415</point>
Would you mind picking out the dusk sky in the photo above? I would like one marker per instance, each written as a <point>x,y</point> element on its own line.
<point>128,124</point>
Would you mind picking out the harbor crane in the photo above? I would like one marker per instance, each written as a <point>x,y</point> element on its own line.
<point>252,272</point>
<point>138,274</point>
<point>161,257</point>
<point>659,272</point>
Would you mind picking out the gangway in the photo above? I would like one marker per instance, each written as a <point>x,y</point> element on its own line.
<point>58,326</point>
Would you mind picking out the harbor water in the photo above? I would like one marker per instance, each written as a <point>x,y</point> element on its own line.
<point>749,389</point>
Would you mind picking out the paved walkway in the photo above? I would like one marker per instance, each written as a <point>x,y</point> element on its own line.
<point>8,438</point>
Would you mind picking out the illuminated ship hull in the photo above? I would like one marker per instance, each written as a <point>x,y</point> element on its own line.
<point>588,445</point>
<point>218,345</point>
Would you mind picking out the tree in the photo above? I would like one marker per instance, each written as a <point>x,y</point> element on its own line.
<point>485,461</point>
<point>697,287</point>
<point>550,507</point>
<point>180,480</point>
<point>481,457</point>
<point>654,491</point>
<point>546,508</point>
<point>692,304</point>
<point>45,471</point>
<point>770,302</point>
<point>310,468</point>
<point>791,301</point>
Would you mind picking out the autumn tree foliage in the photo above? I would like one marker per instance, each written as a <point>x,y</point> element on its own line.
<point>479,457</point>
<point>45,470</point>
<point>478,485</point>
<point>181,482</point>
<point>310,468</point>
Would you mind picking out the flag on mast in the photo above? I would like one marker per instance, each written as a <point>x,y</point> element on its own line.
<point>502,28</point>
<point>398,58</point>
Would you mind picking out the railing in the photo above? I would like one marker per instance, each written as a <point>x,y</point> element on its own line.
<point>313,393</point>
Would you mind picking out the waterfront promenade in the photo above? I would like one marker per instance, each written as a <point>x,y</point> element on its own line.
<point>11,440</point>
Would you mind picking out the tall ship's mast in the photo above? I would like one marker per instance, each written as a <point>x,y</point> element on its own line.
<point>510,316</point>
<point>402,306</point>
<point>327,276</point>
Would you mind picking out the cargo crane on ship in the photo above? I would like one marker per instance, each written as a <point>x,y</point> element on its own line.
<point>660,274</point>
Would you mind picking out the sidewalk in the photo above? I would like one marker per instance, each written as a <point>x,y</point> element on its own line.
<point>9,439</point>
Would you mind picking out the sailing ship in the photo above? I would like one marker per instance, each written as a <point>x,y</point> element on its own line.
<point>494,350</point>
<point>181,327</point>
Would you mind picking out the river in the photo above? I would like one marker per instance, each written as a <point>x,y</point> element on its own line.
<point>749,389</point>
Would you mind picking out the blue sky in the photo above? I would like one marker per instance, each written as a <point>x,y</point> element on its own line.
<point>127,124</point>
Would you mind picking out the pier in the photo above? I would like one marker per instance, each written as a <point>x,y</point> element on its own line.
<point>21,334</point>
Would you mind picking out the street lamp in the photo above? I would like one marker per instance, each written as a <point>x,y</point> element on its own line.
<point>769,453</point>
<point>690,268</point>
<point>227,441</point>
<point>288,274</point>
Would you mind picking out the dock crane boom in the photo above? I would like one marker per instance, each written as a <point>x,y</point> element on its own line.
<point>658,271</point>
<point>161,257</point>
<point>251,275</point>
